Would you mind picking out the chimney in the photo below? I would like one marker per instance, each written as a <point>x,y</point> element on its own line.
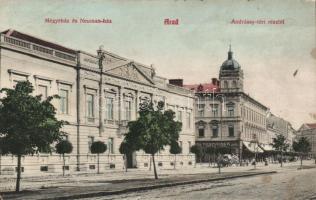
<point>177,82</point>
<point>214,81</point>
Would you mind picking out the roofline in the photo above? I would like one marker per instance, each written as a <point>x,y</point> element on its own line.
<point>39,38</point>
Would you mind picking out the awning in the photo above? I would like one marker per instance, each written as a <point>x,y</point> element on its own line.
<point>253,147</point>
<point>266,147</point>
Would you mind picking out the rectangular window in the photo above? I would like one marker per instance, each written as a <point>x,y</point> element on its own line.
<point>128,110</point>
<point>201,113</point>
<point>215,130</point>
<point>42,89</point>
<point>90,141</point>
<point>64,101</point>
<point>201,110</point>
<point>189,143</point>
<point>214,110</point>
<point>230,111</point>
<point>111,145</point>
<point>180,144</point>
<point>201,132</point>
<point>109,108</point>
<point>90,105</point>
<point>231,131</point>
<point>188,120</point>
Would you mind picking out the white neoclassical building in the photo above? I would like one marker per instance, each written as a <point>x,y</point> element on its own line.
<point>98,98</point>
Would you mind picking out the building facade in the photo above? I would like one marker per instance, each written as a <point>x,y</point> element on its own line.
<point>227,116</point>
<point>99,94</point>
<point>308,130</point>
<point>279,126</point>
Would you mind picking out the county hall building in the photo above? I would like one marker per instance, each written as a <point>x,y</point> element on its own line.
<point>99,93</point>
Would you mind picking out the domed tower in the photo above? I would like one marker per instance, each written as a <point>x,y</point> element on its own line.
<point>231,75</point>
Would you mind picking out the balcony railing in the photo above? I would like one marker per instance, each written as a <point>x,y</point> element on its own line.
<point>35,48</point>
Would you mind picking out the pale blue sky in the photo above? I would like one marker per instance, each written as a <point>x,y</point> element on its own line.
<point>194,50</point>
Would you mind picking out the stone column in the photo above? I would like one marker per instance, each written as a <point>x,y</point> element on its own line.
<point>137,101</point>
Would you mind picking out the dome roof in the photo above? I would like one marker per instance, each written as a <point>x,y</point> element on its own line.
<point>230,63</point>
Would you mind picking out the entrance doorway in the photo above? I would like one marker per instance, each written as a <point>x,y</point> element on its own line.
<point>131,160</point>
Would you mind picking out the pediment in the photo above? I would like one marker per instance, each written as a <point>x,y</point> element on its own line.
<point>130,71</point>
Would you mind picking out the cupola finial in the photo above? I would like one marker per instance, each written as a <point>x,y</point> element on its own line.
<point>230,53</point>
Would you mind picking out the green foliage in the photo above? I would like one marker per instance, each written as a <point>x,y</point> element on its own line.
<point>175,148</point>
<point>279,143</point>
<point>210,150</point>
<point>222,150</point>
<point>302,145</point>
<point>98,147</point>
<point>27,124</point>
<point>63,147</point>
<point>196,149</point>
<point>153,130</point>
<point>125,148</point>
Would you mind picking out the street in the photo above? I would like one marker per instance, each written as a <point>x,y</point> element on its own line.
<point>288,183</point>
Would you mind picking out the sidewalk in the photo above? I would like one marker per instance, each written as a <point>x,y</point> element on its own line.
<point>114,182</point>
<point>96,188</point>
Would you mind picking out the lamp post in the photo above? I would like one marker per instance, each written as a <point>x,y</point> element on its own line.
<point>101,57</point>
<point>255,148</point>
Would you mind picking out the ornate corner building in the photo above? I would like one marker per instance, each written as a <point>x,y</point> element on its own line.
<point>227,116</point>
<point>99,95</point>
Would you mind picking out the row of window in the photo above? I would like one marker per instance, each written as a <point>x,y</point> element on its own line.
<point>214,108</point>
<point>252,133</point>
<point>253,116</point>
<point>233,85</point>
<point>215,128</point>
<point>180,118</point>
<point>90,104</point>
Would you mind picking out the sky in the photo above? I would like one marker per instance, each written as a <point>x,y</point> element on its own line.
<point>194,50</point>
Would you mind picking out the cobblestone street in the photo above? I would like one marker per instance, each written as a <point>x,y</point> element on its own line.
<point>288,183</point>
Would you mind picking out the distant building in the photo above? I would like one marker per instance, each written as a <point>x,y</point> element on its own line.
<point>308,130</point>
<point>97,101</point>
<point>279,126</point>
<point>226,115</point>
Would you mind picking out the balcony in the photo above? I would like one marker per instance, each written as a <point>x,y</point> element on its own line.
<point>123,123</point>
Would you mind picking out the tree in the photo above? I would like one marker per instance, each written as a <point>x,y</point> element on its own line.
<point>27,123</point>
<point>63,147</point>
<point>197,150</point>
<point>125,149</point>
<point>209,151</point>
<point>175,149</point>
<point>302,146</point>
<point>97,148</point>
<point>220,150</point>
<point>1,153</point>
<point>280,145</point>
<point>154,129</point>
